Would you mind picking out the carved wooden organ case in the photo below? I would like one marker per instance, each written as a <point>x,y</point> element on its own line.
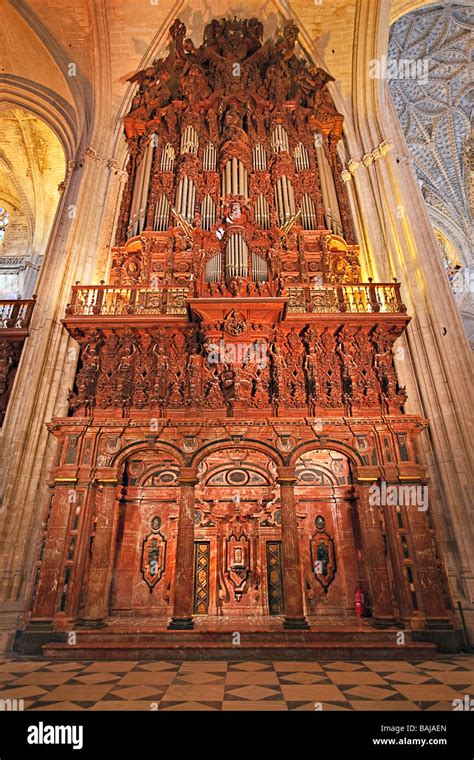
<point>235,228</point>
<point>235,311</point>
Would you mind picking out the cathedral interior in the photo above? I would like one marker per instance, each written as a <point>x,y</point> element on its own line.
<point>237,316</point>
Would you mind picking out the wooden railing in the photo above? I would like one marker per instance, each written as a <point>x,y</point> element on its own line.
<point>16,314</point>
<point>105,300</point>
<point>365,298</point>
<point>15,318</point>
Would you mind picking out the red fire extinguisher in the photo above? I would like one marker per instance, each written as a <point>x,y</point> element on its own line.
<point>359,602</point>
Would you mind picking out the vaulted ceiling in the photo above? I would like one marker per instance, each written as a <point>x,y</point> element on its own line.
<point>435,113</point>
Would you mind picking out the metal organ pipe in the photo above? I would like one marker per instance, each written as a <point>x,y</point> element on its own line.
<point>286,198</point>
<point>308,217</point>
<point>162,214</point>
<point>236,252</point>
<point>213,268</point>
<point>208,213</point>
<point>262,211</point>
<point>259,157</point>
<point>328,191</point>
<point>279,202</point>
<point>167,158</point>
<point>147,160</point>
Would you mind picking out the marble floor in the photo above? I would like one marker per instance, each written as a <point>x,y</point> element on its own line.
<point>222,685</point>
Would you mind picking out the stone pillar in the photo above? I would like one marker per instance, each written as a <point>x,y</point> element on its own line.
<point>374,557</point>
<point>184,574</point>
<point>96,604</point>
<point>292,581</point>
<point>52,566</point>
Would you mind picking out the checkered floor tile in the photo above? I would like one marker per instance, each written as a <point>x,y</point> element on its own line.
<point>222,685</point>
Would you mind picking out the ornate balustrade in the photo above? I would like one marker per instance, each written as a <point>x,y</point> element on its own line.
<point>104,300</point>
<point>15,318</point>
<point>366,298</point>
<point>16,314</point>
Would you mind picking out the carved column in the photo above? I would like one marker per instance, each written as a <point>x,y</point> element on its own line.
<point>345,546</point>
<point>375,560</point>
<point>96,604</point>
<point>292,582</point>
<point>427,574</point>
<point>52,571</point>
<point>184,573</point>
<point>402,588</point>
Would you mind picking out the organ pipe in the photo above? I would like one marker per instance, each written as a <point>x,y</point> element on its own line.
<point>236,261</point>
<point>213,268</point>
<point>331,205</point>
<point>186,198</point>
<point>234,178</point>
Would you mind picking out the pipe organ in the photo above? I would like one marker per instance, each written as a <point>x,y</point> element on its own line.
<point>208,213</point>
<point>279,140</point>
<point>223,164</point>
<point>262,212</point>
<point>234,178</point>
<point>210,158</point>
<point>162,214</point>
<point>308,213</point>
<point>167,158</point>
<point>284,200</point>
<point>259,157</point>
<point>186,198</point>
<point>189,141</point>
<point>236,257</point>
<point>141,188</point>
<point>214,268</point>
<point>332,214</point>
<point>301,157</point>
<point>240,256</point>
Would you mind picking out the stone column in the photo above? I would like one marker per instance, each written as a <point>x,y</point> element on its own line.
<point>374,557</point>
<point>292,581</point>
<point>184,574</point>
<point>52,565</point>
<point>96,604</point>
